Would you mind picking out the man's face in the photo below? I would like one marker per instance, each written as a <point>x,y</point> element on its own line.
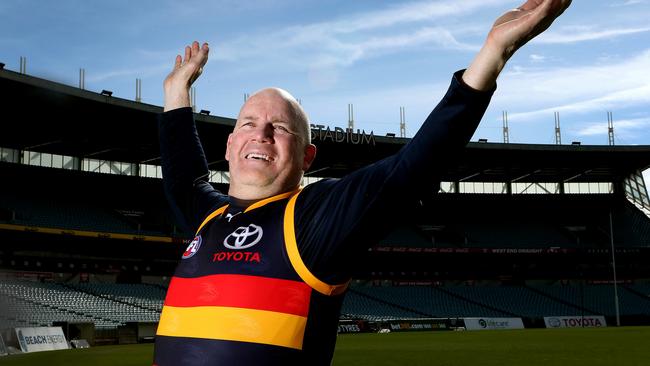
<point>266,151</point>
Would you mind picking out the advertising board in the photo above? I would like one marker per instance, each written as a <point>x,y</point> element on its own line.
<point>41,339</point>
<point>575,321</point>
<point>493,323</point>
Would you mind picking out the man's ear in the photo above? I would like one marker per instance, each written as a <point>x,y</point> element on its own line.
<point>228,147</point>
<point>310,155</point>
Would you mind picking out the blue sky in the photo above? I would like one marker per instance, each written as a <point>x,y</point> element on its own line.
<point>378,55</point>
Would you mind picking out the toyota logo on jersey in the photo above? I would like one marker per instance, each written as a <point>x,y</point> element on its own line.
<point>193,247</point>
<point>243,237</point>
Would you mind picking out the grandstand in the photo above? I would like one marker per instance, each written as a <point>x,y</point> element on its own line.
<point>514,230</point>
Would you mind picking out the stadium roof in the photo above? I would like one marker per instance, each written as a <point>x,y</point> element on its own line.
<point>55,118</point>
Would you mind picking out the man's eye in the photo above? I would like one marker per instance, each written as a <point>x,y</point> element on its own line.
<point>281,128</point>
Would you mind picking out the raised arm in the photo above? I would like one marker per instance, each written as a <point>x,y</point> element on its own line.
<point>186,71</point>
<point>351,212</point>
<point>509,32</point>
<point>185,169</point>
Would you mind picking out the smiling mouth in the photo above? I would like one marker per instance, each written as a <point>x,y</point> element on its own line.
<point>258,156</point>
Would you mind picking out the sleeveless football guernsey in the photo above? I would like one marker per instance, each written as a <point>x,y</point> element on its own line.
<point>241,295</point>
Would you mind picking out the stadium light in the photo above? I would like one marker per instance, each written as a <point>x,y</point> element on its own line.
<point>107,93</point>
<point>575,143</point>
<point>390,135</point>
<point>2,65</point>
<point>616,301</point>
<point>205,111</point>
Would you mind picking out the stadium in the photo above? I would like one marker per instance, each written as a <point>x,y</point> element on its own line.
<point>516,236</point>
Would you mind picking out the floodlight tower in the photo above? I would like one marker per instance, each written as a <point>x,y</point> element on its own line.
<point>558,134</point>
<point>82,78</point>
<point>402,121</point>
<point>506,131</point>
<point>138,90</point>
<point>350,117</point>
<point>23,65</point>
<point>610,128</point>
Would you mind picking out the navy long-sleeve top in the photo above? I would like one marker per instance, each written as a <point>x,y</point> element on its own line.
<point>336,219</point>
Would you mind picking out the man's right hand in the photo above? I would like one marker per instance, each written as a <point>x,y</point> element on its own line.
<point>186,70</point>
<point>511,31</point>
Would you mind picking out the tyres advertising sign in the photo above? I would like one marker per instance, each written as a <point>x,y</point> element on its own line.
<point>352,326</point>
<point>41,339</point>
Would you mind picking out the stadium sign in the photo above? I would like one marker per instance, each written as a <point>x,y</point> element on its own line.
<point>41,339</point>
<point>416,324</point>
<point>360,137</point>
<point>493,323</point>
<point>575,321</point>
<point>353,326</point>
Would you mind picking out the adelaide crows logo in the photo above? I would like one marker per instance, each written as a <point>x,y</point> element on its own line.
<point>193,247</point>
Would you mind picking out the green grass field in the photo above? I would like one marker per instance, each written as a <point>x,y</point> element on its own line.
<point>627,346</point>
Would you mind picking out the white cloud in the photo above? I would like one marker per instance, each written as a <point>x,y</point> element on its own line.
<point>581,33</point>
<point>578,89</point>
<point>528,94</point>
<point>115,74</point>
<point>344,41</point>
<point>407,13</point>
<point>535,58</point>
<point>620,127</point>
<point>619,99</point>
<point>378,109</point>
<point>629,2</point>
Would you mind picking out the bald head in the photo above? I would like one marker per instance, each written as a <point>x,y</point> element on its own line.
<point>294,109</point>
<point>269,148</point>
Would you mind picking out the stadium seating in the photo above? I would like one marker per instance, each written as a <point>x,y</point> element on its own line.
<point>371,302</point>
<point>77,205</point>
<point>495,221</point>
<point>599,299</point>
<point>45,303</point>
<point>520,301</point>
<point>52,213</point>
<point>144,296</point>
<point>111,305</point>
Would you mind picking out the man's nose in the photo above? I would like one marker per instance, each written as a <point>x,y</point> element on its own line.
<point>263,133</point>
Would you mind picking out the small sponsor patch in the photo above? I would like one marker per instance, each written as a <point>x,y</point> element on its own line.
<point>243,237</point>
<point>193,247</point>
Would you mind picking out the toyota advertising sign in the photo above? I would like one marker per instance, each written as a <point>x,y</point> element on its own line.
<point>592,321</point>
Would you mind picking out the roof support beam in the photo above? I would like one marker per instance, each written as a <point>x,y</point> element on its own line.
<point>577,176</point>
<point>525,175</point>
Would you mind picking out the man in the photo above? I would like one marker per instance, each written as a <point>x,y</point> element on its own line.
<point>263,281</point>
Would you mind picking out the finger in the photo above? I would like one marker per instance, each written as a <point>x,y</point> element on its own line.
<point>178,61</point>
<point>530,4</point>
<point>553,7</point>
<point>205,49</point>
<point>549,11</point>
<point>543,8</point>
<point>188,54</point>
<point>195,46</point>
<point>565,6</point>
